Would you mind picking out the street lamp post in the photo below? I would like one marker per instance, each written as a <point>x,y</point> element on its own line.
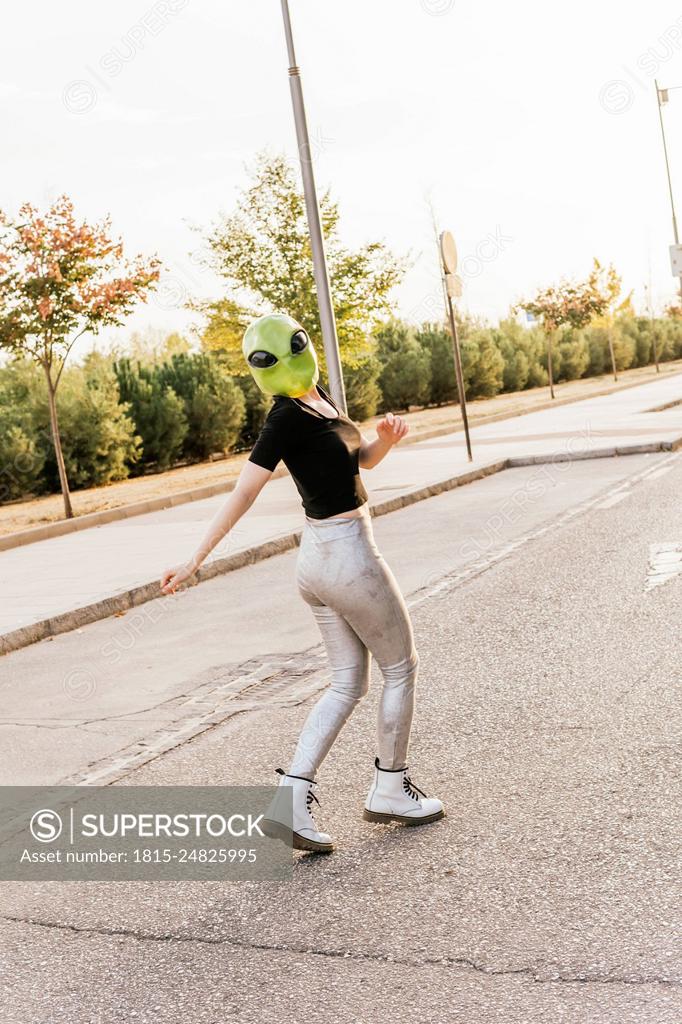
<point>650,307</point>
<point>322,288</point>
<point>652,325</point>
<point>662,98</point>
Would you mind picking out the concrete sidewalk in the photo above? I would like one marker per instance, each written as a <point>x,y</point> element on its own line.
<point>63,582</point>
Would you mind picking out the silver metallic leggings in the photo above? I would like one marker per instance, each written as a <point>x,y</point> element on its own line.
<point>360,612</point>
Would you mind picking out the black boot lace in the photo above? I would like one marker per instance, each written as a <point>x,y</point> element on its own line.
<point>411,789</point>
<point>309,802</point>
<point>310,795</point>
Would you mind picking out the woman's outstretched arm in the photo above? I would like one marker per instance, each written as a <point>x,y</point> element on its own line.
<point>251,481</point>
<point>390,430</point>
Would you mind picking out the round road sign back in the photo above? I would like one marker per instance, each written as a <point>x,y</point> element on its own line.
<point>448,251</point>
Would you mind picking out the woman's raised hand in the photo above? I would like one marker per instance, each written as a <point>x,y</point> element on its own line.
<point>392,428</point>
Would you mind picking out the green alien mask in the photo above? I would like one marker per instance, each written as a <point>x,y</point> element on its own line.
<point>280,355</point>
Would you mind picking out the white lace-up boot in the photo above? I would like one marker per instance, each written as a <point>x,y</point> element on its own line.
<point>394,797</point>
<point>277,822</point>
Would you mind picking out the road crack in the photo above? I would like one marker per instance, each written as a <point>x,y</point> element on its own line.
<point>542,974</point>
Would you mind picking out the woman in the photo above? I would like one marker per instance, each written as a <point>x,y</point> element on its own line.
<point>340,574</point>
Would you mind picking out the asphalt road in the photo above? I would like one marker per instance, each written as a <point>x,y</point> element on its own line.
<point>548,721</point>
<point>85,702</point>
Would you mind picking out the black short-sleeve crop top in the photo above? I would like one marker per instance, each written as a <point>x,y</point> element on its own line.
<point>321,453</point>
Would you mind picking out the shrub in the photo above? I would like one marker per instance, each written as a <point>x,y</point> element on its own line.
<point>363,394</point>
<point>572,354</point>
<point>640,330</point>
<point>510,338</point>
<point>482,364</point>
<point>156,411</point>
<point>405,377</point>
<point>624,348</point>
<point>598,351</point>
<point>673,338</point>
<point>436,341</point>
<point>536,348</point>
<point>98,437</point>
<point>256,406</point>
<point>22,455</point>
<point>21,461</point>
<point>214,404</point>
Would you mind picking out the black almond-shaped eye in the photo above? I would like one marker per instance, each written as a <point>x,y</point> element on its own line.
<point>260,360</point>
<point>299,340</point>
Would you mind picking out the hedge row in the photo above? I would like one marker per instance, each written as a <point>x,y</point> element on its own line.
<point>120,417</point>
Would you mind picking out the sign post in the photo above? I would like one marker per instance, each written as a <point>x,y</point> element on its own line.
<point>453,290</point>
<point>663,98</point>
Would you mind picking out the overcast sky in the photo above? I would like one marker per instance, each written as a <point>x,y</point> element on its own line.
<point>532,126</point>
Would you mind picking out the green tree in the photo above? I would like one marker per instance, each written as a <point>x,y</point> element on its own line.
<point>671,325</point>
<point>573,354</point>
<point>597,340</point>
<point>214,404</point>
<point>405,377</point>
<point>608,284</point>
<point>156,411</point>
<point>511,341</point>
<point>256,406</point>
<point>623,346</point>
<point>363,392</point>
<point>262,251</point>
<point>98,437</point>
<point>436,341</point>
<point>22,458</point>
<point>21,461</point>
<point>60,279</point>
<point>174,344</point>
<point>225,324</point>
<point>570,303</point>
<point>641,331</point>
<point>482,364</point>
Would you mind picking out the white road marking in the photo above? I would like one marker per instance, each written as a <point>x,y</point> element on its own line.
<point>461,576</point>
<point>665,563</point>
<point>613,500</point>
<point>660,471</point>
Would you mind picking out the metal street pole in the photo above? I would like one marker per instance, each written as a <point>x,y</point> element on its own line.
<point>460,376</point>
<point>651,321</point>
<point>324,298</point>
<point>452,285</point>
<point>550,373</point>
<point>667,166</point>
<point>612,353</point>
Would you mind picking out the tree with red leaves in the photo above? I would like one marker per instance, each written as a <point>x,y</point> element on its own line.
<point>60,279</point>
<point>571,303</point>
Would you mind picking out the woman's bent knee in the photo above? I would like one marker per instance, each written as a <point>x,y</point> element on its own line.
<point>402,673</point>
<point>351,683</point>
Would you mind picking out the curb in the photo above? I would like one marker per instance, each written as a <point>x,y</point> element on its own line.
<point>128,599</point>
<point>136,596</point>
<point>598,453</point>
<point>112,515</point>
<point>137,508</point>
